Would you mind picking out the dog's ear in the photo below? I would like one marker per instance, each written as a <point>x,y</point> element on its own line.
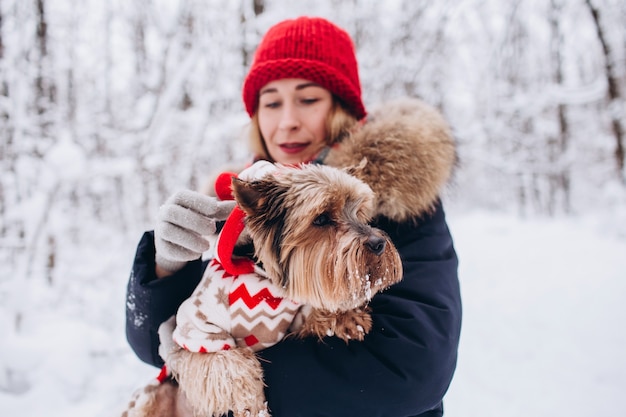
<point>247,195</point>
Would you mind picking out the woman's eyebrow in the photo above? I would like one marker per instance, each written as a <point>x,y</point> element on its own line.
<point>306,85</point>
<point>267,90</point>
<point>298,87</point>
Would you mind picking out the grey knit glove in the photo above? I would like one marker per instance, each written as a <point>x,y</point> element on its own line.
<point>182,222</point>
<point>167,344</point>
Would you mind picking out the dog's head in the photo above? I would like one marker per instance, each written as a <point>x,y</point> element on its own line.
<point>309,225</point>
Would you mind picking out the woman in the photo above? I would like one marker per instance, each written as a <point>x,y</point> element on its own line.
<point>303,95</point>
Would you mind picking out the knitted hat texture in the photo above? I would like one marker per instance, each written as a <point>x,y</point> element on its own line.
<point>311,48</point>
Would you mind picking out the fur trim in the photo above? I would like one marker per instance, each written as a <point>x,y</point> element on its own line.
<point>405,153</point>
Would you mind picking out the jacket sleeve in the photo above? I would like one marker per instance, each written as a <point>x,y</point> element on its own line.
<point>151,301</point>
<point>405,364</point>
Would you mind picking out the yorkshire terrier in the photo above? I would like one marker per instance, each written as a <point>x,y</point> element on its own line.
<point>310,229</point>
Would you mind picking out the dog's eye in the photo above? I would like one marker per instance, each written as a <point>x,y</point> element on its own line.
<point>322,220</point>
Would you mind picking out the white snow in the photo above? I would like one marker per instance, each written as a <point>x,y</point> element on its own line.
<point>543,330</point>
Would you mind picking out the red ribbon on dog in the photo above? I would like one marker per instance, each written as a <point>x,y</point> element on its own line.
<point>232,229</point>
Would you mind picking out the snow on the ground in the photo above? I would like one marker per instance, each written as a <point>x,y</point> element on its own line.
<point>543,331</point>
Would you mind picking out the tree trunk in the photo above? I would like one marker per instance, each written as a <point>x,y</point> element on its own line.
<point>1,35</point>
<point>560,178</point>
<point>45,91</point>
<point>614,95</point>
<point>258,8</point>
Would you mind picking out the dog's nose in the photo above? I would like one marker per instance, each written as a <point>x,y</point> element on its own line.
<point>376,244</point>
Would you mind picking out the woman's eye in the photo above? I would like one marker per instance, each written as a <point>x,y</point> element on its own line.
<point>322,220</point>
<point>309,100</point>
<point>271,105</point>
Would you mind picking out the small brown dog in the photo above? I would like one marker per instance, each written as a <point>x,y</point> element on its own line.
<point>311,232</point>
<point>318,219</point>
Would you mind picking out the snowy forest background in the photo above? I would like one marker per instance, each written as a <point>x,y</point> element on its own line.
<point>107,107</point>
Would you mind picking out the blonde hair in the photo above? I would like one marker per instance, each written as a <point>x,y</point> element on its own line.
<point>338,125</point>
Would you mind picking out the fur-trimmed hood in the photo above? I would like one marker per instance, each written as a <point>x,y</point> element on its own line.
<point>405,152</point>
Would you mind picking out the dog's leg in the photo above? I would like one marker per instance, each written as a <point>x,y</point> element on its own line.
<point>219,382</point>
<point>346,325</point>
<point>158,400</point>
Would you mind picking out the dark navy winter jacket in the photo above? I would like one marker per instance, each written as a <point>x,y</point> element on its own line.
<point>402,368</point>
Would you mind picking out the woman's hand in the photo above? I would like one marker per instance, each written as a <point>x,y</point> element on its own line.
<point>183,221</point>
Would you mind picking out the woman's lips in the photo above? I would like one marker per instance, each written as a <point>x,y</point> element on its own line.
<point>292,148</point>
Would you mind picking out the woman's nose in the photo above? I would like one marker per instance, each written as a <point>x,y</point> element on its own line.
<point>289,119</point>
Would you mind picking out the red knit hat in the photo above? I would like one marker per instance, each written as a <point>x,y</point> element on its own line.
<point>311,48</point>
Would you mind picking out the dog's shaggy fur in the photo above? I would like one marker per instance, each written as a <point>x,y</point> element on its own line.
<point>310,231</point>
<point>214,383</point>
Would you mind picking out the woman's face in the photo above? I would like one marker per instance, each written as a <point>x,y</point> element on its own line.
<point>292,116</point>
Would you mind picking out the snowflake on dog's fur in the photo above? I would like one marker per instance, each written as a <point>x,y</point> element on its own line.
<point>368,287</point>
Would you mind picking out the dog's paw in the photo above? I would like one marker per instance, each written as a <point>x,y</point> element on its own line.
<point>353,324</point>
<point>346,325</point>
<point>158,400</point>
<point>252,408</point>
<point>259,411</point>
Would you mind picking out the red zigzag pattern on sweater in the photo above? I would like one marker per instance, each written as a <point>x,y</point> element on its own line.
<point>241,293</point>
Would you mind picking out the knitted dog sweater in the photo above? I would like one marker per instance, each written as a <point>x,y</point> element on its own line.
<point>228,311</point>
<point>234,305</point>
